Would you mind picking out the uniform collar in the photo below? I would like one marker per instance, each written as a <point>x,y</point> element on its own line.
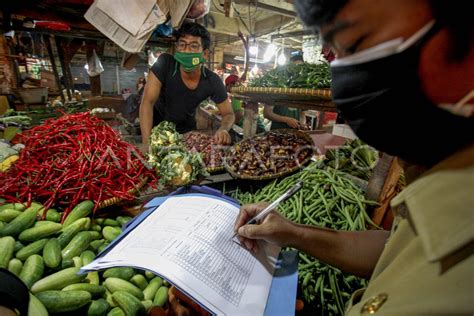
<point>439,205</point>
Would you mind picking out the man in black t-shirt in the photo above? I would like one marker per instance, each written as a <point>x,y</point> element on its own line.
<point>177,85</point>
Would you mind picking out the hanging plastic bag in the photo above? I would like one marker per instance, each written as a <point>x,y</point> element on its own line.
<point>199,9</point>
<point>94,66</point>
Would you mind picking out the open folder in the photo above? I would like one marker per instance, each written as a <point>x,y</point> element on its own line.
<point>187,241</point>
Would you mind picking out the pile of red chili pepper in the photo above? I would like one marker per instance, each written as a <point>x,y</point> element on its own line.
<point>74,158</point>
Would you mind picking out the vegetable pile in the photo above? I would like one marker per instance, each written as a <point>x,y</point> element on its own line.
<point>175,165</point>
<point>212,153</point>
<point>47,256</point>
<point>73,158</point>
<point>311,76</point>
<point>268,154</point>
<point>355,158</point>
<point>327,199</point>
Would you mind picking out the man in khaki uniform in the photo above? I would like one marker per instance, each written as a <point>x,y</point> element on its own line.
<point>403,79</point>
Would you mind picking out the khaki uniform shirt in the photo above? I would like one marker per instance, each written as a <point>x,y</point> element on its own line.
<point>427,266</point>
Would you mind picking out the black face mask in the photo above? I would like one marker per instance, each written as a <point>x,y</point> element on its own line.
<point>384,104</point>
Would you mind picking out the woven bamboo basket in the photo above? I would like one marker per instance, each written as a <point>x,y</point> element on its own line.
<point>116,200</point>
<point>300,134</point>
<point>287,92</point>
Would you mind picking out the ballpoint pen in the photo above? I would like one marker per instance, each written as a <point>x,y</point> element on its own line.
<point>257,218</point>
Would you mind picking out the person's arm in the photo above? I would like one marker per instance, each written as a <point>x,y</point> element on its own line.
<point>269,114</point>
<point>150,96</point>
<point>228,118</point>
<point>353,252</point>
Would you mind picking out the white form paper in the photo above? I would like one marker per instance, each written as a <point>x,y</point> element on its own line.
<point>188,241</point>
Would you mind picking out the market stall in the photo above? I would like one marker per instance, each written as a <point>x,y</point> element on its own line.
<point>76,178</point>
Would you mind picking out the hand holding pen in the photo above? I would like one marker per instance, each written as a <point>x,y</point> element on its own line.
<point>272,226</point>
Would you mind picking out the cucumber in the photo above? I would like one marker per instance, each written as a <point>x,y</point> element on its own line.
<point>94,235</point>
<point>93,277</point>
<point>67,264</point>
<point>18,246</point>
<point>149,274</point>
<point>58,280</point>
<point>110,222</point>
<point>41,223</point>
<point>53,215</point>
<point>36,308</point>
<point>31,249</point>
<point>110,233</point>
<point>35,233</point>
<point>108,298</point>
<point>147,304</point>
<point>124,273</point>
<point>77,245</point>
<point>116,311</point>
<point>64,301</point>
<point>81,210</point>
<point>161,296</point>
<point>99,221</point>
<point>7,215</point>
<point>21,222</point>
<point>123,220</point>
<point>150,291</point>
<point>77,261</point>
<point>95,244</point>
<point>94,289</point>
<point>52,253</point>
<point>96,227</point>
<point>87,257</point>
<point>15,266</point>
<point>139,281</point>
<point>13,206</point>
<point>32,270</point>
<point>98,308</point>
<point>7,246</point>
<point>102,247</point>
<point>69,232</point>
<point>116,284</point>
<point>128,303</point>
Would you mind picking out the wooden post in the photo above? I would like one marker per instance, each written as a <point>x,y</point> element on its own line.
<point>64,66</point>
<point>250,119</point>
<point>47,42</point>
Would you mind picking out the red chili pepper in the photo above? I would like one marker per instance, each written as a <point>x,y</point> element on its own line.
<point>73,158</point>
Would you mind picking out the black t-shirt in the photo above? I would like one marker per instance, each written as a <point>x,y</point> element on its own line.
<point>177,103</point>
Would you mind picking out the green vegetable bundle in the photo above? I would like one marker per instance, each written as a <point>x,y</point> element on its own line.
<point>311,76</point>
<point>327,199</point>
<point>355,158</point>
<point>175,165</point>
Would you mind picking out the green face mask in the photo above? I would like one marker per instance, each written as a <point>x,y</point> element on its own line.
<point>189,61</point>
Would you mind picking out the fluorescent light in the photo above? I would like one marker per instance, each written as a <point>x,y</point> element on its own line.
<point>252,60</point>
<point>281,59</point>
<point>269,52</point>
<point>253,50</point>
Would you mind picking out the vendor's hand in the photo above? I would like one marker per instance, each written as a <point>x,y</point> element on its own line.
<point>291,122</point>
<point>222,137</point>
<point>274,228</point>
